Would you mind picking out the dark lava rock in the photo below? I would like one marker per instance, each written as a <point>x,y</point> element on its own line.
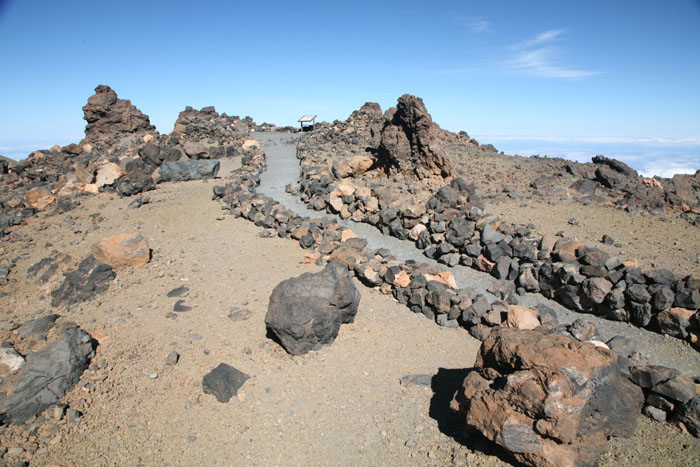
<point>134,182</point>
<point>109,117</point>
<point>223,382</point>
<point>178,292</point>
<point>187,170</point>
<point>409,141</point>
<point>37,327</point>
<point>306,312</point>
<point>547,399</point>
<point>46,377</point>
<point>82,284</point>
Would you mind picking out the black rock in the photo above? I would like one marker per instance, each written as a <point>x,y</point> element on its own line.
<point>583,330</point>
<point>689,415</point>
<point>187,170</point>
<point>82,284</point>
<point>46,377</point>
<point>306,312</point>
<point>178,292</point>
<point>180,307</point>
<point>133,183</point>
<point>37,327</point>
<point>223,382</point>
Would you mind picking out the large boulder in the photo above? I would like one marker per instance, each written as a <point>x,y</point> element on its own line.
<point>45,377</point>
<point>186,170</point>
<point>547,399</point>
<point>109,118</point>
<point>124,250</point>
<point>306,312</point>
<point>409,141</point>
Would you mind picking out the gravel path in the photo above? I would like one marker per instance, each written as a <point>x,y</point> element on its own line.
<point>283,169</point>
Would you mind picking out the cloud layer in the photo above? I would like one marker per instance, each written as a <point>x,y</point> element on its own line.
<point>538,56</point>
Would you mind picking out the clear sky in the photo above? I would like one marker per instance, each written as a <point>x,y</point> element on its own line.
<point>563,70</point>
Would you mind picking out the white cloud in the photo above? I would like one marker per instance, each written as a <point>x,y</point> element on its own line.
<point>538,57</point>
<point>476,24</point>
<point>598,139</point>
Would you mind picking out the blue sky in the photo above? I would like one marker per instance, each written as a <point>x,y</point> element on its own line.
<point>503,71</point>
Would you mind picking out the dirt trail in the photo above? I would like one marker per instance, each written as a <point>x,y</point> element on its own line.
<point>342,405</point>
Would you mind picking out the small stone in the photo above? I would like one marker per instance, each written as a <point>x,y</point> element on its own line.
<point>459,459</point>
<point>223,382</point>
<point>573,221</point>
<point>172,358</point>
<point>73,415</point>
<point>654,413</point>
<point>178,292</point>
<point>180,307</point>
<point>153,375</point>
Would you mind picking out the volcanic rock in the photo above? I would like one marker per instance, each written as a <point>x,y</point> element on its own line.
<point>186,170</point>
<point>547,399</point>
<point>123,250</point>
<point>409,141</point>
<point>40,198</point>
<point>306,312</point>
<point>82,284</point>
<point>47,375</point>
<point>110,118</point>
<point>223,382</point>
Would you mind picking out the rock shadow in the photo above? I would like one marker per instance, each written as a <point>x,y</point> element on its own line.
<point>444,385</point>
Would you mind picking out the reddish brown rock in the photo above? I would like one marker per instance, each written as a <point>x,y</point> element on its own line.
<point>547,399</point>
<point>123,250</point>
<point>40,198</point>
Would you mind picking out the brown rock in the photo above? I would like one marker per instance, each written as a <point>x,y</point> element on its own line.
<point>347,234</point>
<point>402,279</point>
<point>675,321</point>
<point>416,231</point>
<point>556,401</point>
<point>521,317</point>
<point>567,251</point>
<point>484,264</point>
<point>123,250</point>
<point>40,198</point>
<point>352,166</point>
<point>444,277</point>
<point>107,173</point>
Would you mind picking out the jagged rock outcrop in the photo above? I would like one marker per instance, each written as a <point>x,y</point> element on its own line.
<point>548,399</point>
<point>409,141</point>
<point>110,118</point>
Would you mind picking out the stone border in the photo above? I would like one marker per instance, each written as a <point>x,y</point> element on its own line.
<point>428,290</point>
<point>452,229</point>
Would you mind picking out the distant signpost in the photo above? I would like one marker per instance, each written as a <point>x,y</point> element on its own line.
<point>309,120</point>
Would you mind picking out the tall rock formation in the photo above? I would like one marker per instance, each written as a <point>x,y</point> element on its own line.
<point>408,141</point>
<point>110,120</point>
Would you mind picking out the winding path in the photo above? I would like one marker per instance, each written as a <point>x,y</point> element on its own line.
<point>283,169</point>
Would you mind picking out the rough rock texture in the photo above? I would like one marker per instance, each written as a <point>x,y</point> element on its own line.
<point>47,375</point>
<point>223,382</point>
<point>82,284</point>
<point>409,141</point>
<point>547,399</point>
<point>124,250</point>
<point>306,312</point>
<point>109,118</point>
<point>186,170</point>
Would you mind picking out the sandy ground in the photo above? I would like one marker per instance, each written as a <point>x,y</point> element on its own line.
<point>655,243</point>
<point>342,405</point>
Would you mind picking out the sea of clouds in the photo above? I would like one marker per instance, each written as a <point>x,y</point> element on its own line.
<point>649,156</point>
